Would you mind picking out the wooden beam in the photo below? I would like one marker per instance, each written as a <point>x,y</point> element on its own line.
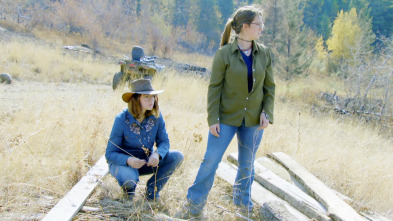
<point>73,201</point>
<point>275,168</point>
<point>286,191</point>
<point>337,209</point>
<point>259,194</point>
<point>279,170</point>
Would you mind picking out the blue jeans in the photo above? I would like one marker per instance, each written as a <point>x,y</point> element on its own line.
<point>249,139</point>
<point>128,177</point>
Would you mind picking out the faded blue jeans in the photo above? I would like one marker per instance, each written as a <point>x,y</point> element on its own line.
<point>128,177</point>
<point>249,139</point>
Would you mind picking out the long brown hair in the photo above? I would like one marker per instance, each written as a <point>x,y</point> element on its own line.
<point>135,108</point>
<point>244,15</point>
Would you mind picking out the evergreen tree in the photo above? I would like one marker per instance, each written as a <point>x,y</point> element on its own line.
<point>181,13</point>
<point>295,43</point>
<point>273,14</point>
<point>382,14</point>
<point>286,36</point>
<point>226,9</point>
<point>208,22</point>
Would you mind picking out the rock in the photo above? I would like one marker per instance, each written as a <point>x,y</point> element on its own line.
<point>5,78</point>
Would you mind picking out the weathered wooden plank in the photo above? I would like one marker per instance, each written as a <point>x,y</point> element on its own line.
<point>337,208</point>
<point>73,201</point>
<point>275,168</point>
<point>374,216</point>
<point>279,170</point>
<point>283,173</point>
<point>287,191</point>
<point>259,194</point>
<point>275,211</point>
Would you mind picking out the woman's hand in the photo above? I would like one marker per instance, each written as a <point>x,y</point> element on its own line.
<point>154,159</point>
<point>215,130</point>
<point>135,162</point>
<point>263,121</point>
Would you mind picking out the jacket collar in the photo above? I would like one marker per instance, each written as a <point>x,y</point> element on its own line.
<point>132,119</point>
<point>235,47</point>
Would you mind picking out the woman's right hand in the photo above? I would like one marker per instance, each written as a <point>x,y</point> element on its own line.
<point>135,162</point>
<point>215,130</point>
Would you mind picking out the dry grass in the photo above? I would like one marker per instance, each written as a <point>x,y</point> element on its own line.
<point>52,63</point>
<point>53,129</point>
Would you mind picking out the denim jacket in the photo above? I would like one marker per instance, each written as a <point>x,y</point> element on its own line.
<point>130,138</point>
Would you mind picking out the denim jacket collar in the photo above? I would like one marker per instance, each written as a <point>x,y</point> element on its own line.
<point>132,119</point>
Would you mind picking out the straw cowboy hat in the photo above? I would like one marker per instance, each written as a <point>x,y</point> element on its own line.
<point>140,86</point>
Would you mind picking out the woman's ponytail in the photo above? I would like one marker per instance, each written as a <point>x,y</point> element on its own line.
<point>227,33</point>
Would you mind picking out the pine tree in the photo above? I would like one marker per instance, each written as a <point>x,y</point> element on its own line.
<point>295,38</point>
<point>382,14</point>
<point>286,36</point>
<point>208,22</point>
<point>226,9</point>
<point>180,13</point>
<point>273,16</point>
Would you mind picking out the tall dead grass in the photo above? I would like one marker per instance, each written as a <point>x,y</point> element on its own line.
<point>52,130</point>
<point>51,63</point>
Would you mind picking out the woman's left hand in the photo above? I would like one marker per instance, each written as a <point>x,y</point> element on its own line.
<point>154,159</point>
<point>263,121</point>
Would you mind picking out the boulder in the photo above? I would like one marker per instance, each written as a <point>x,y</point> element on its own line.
<point>5,78</point>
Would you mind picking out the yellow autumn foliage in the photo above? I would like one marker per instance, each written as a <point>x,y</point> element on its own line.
<point>346,34</point>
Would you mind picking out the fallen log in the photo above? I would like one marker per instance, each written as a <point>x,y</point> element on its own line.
<point>286,191</point>
<point>73,201</point>
<point>337,209</point>
<point>260,195</point>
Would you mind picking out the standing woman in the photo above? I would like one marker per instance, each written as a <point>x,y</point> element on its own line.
<point>130,150</point>
<point>240,101</point>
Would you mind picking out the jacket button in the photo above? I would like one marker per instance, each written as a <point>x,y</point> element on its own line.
<point>247,98</point>
<point>253,69</point>
<point>245,108</point>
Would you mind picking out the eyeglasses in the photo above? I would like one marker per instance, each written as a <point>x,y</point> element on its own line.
<point>261,25</point>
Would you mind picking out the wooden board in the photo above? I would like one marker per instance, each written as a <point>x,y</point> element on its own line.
<point>73,201</point>
<point>287,191</point>
<point>374,216</point>
<point>336,207</point>
<point>259,194</point>
<point>279,170</point>
<point>275,168</point>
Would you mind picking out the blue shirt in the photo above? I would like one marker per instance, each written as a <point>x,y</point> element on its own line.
<point>130,138</point>
<point>248,61</point>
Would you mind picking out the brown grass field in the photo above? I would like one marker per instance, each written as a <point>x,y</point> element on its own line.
<point>56,117</point>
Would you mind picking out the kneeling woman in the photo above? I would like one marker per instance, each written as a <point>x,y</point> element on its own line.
<point>130,147</point>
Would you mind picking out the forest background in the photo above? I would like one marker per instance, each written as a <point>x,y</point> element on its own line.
<point>345,38</point>
<point>340,51</point>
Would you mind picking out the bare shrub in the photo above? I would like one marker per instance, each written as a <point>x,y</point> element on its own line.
<point>368,85</point>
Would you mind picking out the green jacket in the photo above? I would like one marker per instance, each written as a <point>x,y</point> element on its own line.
<point>228,99</point>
